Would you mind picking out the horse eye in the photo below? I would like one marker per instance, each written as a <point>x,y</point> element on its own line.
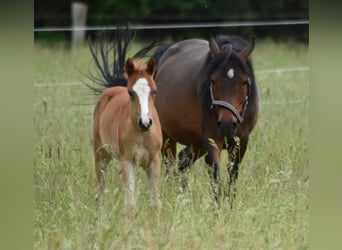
<point>246,82</point>
<point>153,92</point>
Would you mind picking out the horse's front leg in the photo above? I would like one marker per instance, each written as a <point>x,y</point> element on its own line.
<point>236,151</point>
<point>212,160</point>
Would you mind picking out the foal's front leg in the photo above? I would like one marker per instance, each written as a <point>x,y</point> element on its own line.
<point>128,184</point>
<point>153,175</point>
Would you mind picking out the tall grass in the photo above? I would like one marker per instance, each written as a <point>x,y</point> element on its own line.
<point>271,209</point>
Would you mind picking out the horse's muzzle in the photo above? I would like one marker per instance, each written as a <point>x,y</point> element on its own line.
<point>227,129</point>
<point>144,125</point>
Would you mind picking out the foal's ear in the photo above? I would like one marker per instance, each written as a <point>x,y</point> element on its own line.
<point>214,48</point>
<point>129,66</point>
<point>151,66</point>
<point>246,52</point>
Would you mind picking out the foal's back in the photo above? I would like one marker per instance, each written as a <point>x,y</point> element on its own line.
<point>111,111</point>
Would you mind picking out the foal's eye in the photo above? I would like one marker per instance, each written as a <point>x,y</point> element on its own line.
<point>131,94</point>
<point>153,93</point>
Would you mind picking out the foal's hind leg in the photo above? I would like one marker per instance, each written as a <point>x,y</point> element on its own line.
<point>102,158</point>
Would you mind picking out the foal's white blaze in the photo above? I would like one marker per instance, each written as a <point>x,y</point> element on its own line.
<point>142,89</point>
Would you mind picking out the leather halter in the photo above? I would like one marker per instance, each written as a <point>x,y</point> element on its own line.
<point>228,105</point>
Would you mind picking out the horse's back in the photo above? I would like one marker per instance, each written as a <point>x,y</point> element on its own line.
<point>178,77</point>
<point>192,49</point>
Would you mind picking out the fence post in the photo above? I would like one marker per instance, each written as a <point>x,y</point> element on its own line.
<point>79,18</point>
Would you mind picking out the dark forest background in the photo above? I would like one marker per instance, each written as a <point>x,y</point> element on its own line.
<point>121,12</point>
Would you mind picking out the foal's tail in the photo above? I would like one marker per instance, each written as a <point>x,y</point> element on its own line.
<point>110,74</point>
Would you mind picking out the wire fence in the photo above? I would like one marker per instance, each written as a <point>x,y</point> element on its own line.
<point>179,26</point>
<point>187,26</point>
<point>278,71</point>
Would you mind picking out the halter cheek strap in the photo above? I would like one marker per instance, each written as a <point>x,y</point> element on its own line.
<point>229,106</point>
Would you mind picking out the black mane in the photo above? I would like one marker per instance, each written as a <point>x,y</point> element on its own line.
<point>230,46</point>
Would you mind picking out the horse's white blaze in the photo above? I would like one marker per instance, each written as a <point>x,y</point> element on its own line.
<point>230,73</point>
<point>142,89</point>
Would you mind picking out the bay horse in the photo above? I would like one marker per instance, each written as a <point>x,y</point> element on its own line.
<point>207,100</point>
<point>126,123</point>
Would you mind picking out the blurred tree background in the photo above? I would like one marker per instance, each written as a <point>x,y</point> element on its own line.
<point>114,12</point>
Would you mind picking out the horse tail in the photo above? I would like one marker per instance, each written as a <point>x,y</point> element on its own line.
<point>160,51</point>
<point>109,74</point>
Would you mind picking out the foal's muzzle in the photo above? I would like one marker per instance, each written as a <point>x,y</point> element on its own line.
<point>227,129</point>
<point>144,124</point>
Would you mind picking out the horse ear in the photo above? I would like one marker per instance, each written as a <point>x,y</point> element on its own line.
<point>129,66</point>
<point>245,53</point>
<point>214,48</point>
<point>151,66</point>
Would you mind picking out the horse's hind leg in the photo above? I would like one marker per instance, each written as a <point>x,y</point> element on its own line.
<point>187,156</point>
<point>153,175</point>
<point>169,151</point>
<point>102,158</point>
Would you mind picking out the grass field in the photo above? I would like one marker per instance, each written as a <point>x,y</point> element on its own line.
<point>271,210</point>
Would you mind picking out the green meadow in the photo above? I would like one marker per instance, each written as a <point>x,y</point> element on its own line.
<point>271,208</point>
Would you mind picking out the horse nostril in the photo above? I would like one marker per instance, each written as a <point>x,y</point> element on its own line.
<point>219,124</point>
<point>232,127</point>
<point>227,129</point>
<point>150,123</point>
<point>140,123</point>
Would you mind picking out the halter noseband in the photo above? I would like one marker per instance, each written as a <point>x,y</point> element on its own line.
<point>228,105</point>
